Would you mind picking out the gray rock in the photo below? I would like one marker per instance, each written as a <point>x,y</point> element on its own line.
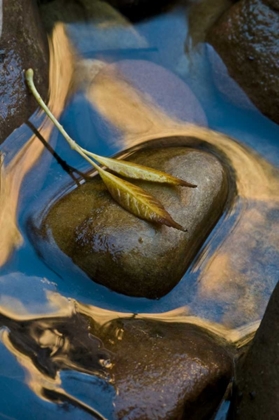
<point>165,371</point>
<point>23,45</point>
<point>247,40</point>
<point>129,255</point>
<point>257,378</point>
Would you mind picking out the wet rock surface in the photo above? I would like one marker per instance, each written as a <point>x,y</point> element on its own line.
<point>257,378</point>
<point>165,371</point>
<point>23,45</point>
<point>129,255</point>
<point>247,40</point>
<point>137,368</point>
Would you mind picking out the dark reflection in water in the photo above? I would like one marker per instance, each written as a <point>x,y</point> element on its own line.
<point>110,107</point>
<point>59,354</point>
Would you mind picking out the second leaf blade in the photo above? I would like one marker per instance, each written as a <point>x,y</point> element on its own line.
<point>138,201</point>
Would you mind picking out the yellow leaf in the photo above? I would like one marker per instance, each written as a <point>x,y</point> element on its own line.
<point>135,171</point>
<point>137,201</point>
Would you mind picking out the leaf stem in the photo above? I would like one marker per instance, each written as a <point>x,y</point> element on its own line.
<point>29,76</point>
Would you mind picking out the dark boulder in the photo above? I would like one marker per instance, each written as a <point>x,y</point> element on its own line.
<point>23,45</point>
<point>247,39</point>
<point>167,371</point>
<point>257,378</point>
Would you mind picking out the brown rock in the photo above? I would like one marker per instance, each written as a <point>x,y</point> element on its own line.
<point>165,371</point>
<point>135,368</point>
<point>247,39</point>
<point>23,45</point>
<point>257,379</point>
<point>130,255</point>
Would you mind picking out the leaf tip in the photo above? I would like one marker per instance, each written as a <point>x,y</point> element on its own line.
<point>187,184</point>
<point>179,227</point>
<point>172,223</point>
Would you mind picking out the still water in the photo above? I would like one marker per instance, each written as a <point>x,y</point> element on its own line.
<point>46,302</point>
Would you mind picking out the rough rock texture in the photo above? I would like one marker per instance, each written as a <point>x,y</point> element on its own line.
<point>257,378</point>
<point>23,45</point>
<point>130,255</point>
<point>247,40</point>
<point>165,371</point>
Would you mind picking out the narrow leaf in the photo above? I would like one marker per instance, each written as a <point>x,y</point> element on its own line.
<point>133,170</point>
<point>137,201</point>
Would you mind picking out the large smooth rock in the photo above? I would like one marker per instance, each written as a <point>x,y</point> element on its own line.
<point>129,255</point>
<point>247,40</point>
<point>23,45</point>
<point>165,371</point>
<point>257,378</point>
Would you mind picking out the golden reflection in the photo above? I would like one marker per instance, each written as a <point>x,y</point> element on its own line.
<point>10,236</point>
<point>237,337</point>
<point>60,75</point>
<point>122,105</point>
<point>12,307</point>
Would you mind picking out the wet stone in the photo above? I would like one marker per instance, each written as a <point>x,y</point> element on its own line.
<point>23,45</point>
<point>247,40</point>
<point>129,255</point>
<point>136,368</point>
<point>165,371</point>
<point>257,378</point>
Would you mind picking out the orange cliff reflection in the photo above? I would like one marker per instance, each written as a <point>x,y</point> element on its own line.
<point>12,176</point>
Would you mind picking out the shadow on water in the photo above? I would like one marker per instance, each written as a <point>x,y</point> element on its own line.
<point>109,110</point>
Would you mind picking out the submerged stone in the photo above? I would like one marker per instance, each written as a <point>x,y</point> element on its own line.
<point>127,254</point>
<point>165,371</point>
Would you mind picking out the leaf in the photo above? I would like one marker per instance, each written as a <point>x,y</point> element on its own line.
<point>129,196</point>
<point>133,170</point>
<point>137,201</point>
